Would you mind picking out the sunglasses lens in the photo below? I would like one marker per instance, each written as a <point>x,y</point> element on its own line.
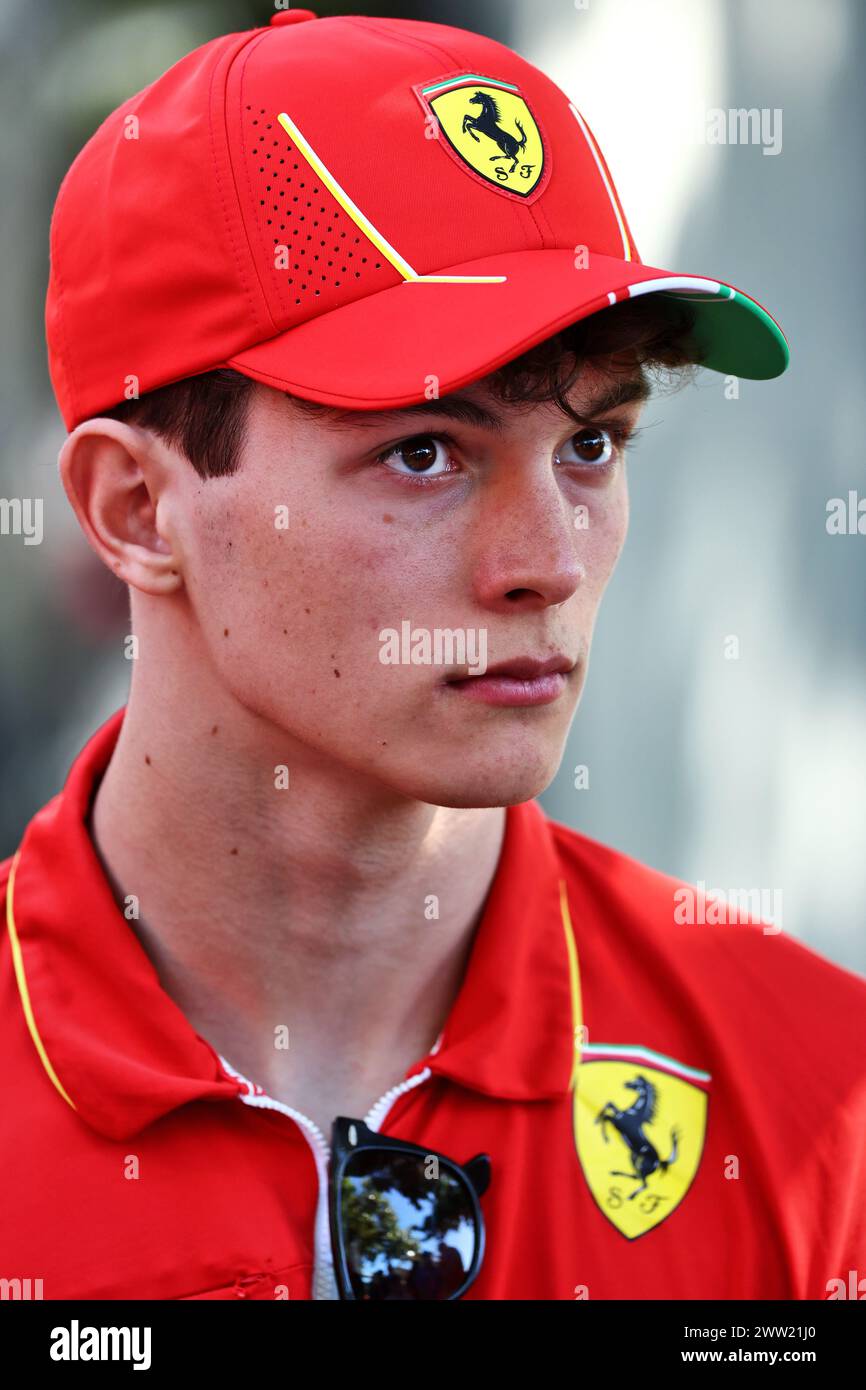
<point>408,1226</point>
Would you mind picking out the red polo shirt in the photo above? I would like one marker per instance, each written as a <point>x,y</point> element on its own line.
<point>713,1146</point>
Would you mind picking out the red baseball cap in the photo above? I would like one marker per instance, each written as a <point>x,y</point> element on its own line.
<point>360,211</point>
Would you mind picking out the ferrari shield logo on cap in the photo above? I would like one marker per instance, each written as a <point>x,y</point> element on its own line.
<point>487,126</point>
<point>640,1120</point>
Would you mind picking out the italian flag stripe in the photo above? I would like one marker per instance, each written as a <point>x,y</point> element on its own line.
<point>469,77</point>
<point>595,1052</point>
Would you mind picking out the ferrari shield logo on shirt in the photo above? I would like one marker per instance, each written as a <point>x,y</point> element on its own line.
<point>639,1124</point>
<point>487,126</point>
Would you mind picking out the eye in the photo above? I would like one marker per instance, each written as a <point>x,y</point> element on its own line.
<point>592,445</point>
<point>421,456</point>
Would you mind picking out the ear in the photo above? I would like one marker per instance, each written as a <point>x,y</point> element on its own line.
<point>114,475</point>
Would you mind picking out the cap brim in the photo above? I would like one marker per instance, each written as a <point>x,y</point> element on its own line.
<point>389,349</point>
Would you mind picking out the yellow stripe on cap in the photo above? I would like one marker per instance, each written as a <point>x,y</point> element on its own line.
<point>18,962</point>
<point>361,221</point>
<point>459,279</point>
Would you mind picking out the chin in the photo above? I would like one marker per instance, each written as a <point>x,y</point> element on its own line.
<point>505,780</point>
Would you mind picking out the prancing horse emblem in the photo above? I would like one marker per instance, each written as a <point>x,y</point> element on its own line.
<point>629,1123</point>
<point>488,124</point>
<point>490,130</point>
<point>640,1119</point>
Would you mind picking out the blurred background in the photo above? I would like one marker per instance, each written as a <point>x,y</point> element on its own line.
<point>741,774</point>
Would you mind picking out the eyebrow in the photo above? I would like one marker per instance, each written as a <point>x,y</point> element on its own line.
<point>623,391</point>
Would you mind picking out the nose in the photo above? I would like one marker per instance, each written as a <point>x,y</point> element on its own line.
<point>527,553</point>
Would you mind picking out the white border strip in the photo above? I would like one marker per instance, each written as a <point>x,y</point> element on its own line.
<point>610,193</point>
<point>681,282</point>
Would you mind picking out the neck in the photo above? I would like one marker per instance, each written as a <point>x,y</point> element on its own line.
<point>332,909</point>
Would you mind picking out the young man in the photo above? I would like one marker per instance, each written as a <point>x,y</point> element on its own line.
<point>349,330</point>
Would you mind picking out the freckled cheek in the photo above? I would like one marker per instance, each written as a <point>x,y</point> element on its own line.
<point>239,569</point>
<point>212,559</point>
<point>371,582</point>
<point>329,594</point>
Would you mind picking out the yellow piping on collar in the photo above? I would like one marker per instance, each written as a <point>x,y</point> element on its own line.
<point>18,962</point>
<point>574,977</point>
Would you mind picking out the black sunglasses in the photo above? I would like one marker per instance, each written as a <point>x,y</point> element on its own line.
<point>406,1221</point>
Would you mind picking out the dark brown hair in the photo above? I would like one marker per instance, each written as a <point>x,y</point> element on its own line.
<point>205,416</point>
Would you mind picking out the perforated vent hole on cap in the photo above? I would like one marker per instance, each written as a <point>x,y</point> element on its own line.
<point>325,247</point>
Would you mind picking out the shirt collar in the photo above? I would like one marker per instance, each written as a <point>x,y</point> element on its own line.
<point>120,1051</point>
<point>513,1028</point>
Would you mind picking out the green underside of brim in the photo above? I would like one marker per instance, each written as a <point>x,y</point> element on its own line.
<point>734,335</point>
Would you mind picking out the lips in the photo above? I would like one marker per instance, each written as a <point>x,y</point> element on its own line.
<point>524,680</point>
<point>527,668</point>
